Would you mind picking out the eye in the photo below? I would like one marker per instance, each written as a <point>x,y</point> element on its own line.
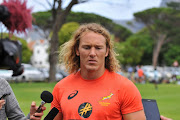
<point>98,48</point>
<point>86,47</point>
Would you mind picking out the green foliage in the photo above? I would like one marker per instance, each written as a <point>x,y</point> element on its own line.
<point>118,47</point>
<point>161,22</point>
<point>137,47</point>
<point>118,30</point>
<point>66,32</point>
<point>158,20</point>
<point>26,53</point>
<point>172,54</point>
<point>174,5</point>
<point>87,18</point>
<point>44,21</point>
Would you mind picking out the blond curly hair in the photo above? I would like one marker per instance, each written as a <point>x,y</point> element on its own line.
<point>68,55</point>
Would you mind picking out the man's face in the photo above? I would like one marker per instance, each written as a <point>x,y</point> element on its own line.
<point>92,51</point>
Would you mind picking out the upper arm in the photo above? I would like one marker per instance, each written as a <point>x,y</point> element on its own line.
<point>139,115</point>
<point>59,116</point>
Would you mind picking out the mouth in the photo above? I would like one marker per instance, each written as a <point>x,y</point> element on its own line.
<point>92,61</point>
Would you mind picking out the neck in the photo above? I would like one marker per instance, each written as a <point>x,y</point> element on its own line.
<point>90,75</point>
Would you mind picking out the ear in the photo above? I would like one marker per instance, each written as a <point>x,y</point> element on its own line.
<point>77,52</point>
<point>107,52</point>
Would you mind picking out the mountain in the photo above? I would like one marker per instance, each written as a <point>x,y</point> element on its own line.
<point>135,26</point>
<point>132,25</point>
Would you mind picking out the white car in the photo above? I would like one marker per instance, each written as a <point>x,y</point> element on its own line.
<point>30,74</point>
<point>45,72</point>
<point>6,74</point>
<point>149,73</point>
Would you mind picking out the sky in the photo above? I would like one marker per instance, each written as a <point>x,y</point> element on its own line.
<point>112,9</point>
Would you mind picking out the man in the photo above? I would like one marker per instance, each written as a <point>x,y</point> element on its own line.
<point>9,107</point>
<point>140,75</point>
<point>94,90</point>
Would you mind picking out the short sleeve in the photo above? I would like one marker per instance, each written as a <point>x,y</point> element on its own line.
<point>56,98</point>
<point>130,98</point>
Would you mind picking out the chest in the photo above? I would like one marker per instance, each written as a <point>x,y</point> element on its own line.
<point>84,102</point>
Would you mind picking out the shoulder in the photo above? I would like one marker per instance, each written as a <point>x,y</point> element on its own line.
<point>3,83</point>
<point>119,79</point>
<point>122,83</point>
<point>67,80</point>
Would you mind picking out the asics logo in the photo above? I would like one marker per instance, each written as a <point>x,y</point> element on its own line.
<point>72,95</point>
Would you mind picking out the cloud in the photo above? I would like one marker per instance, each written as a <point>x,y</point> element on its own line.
<point>113,9</point>
<point>123,9</point>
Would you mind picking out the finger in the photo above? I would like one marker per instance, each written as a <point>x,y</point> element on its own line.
<point>39,114</point>
<point>164,118</point>
<point>36,116</point>
<point>33,104</point>
<point>43,108</point>
<point>2,102</point>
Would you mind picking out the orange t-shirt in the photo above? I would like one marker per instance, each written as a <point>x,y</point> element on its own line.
<point>105,98</point>
<point>140,73</point>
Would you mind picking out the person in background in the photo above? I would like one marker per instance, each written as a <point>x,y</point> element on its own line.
<point>130,72</point>
<point>9,106</point>
<point>94,90</point>
<point>140,75</point>
<point>155,80</point>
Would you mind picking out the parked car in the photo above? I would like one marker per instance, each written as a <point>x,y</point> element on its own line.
<point>30,74</point>
<point>166,73</point>
<point>45,72</point>
<point>6,74</point>
<point>149,73</point>
<point>63,72</point>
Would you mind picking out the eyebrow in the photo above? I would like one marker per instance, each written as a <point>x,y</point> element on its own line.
<point>93,45</point>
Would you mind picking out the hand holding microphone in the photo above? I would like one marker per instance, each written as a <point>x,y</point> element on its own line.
<point>36,113</point>
<point>46,97</point>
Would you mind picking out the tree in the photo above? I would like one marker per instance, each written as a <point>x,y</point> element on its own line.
<point>162,24</point>
<point>137,49</point>
<point>172,54</point>
<point>44,21</point>
<point>66,32</point>
<point>59,18</point>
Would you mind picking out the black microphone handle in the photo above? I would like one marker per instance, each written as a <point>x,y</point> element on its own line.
<point>39,108</point>
<point>52,114</point>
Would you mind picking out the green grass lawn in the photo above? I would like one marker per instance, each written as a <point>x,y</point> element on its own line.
<point>167,96</point>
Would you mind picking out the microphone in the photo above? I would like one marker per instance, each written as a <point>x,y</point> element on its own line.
<point>46,97</point>
<point>4,13</point>
<point>52,114</point>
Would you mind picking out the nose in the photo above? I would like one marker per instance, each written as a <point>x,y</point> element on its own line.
<point>92,52</point>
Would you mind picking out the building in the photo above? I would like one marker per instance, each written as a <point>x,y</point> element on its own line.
<point>40,56</point>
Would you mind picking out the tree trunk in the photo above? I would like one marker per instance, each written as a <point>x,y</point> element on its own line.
<point>157,48</point>
<point>54,42</point>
